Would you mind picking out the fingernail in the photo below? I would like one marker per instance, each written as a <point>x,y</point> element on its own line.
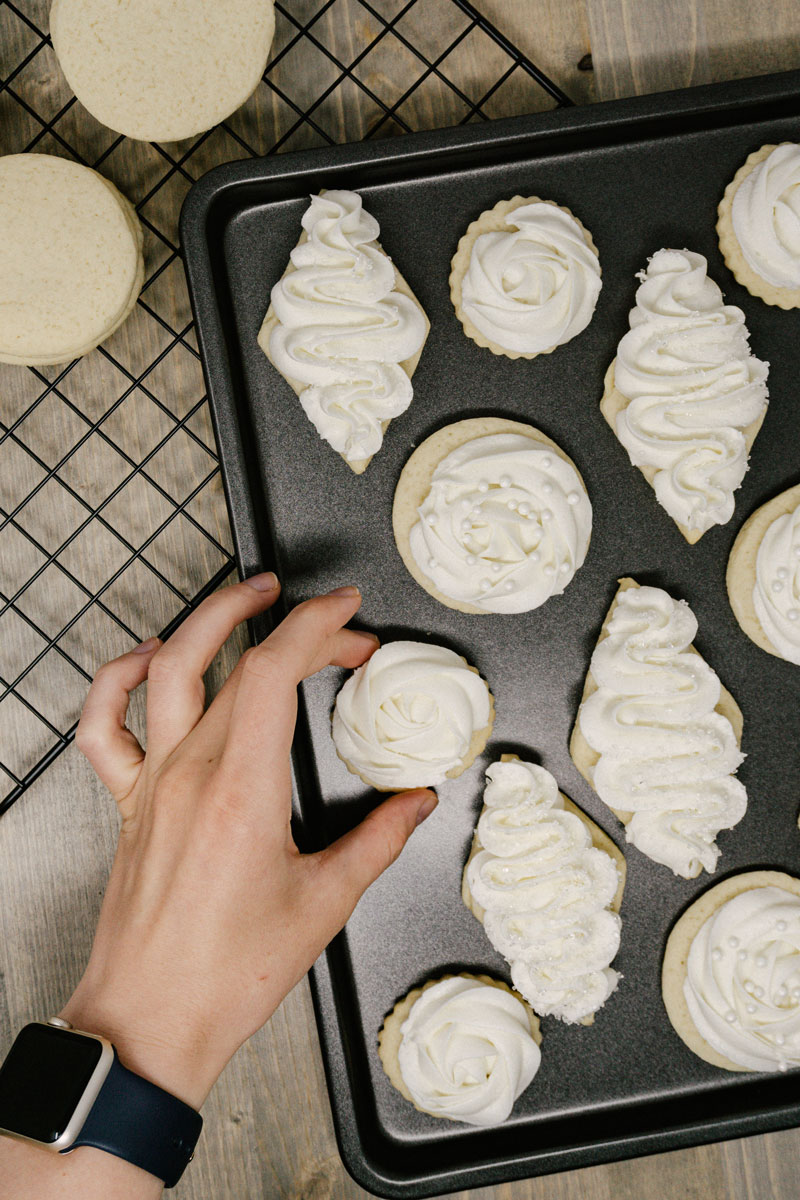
<point>146,647</point>
<point>345,591</point>
<point>363,633</point>
<point>266,582</point>
<point>426,808</point>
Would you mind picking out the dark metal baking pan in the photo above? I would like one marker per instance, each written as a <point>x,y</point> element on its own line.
<point>640,174</point>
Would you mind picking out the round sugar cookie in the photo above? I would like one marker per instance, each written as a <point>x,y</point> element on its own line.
<point>160,71</point>
<point>749,968</point>
<point>491,516</point>
<point>456,1084</point>
<point>71,265</point>
<point>763,576</point>
<point>412,716</point>
<point>525,277</point>
<point>774,236</point>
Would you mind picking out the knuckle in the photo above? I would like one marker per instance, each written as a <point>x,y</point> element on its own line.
<point>165,665</point>
<point>88,738</point>
<point>262,662</point>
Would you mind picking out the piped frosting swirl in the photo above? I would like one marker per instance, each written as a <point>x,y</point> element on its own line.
<point>342,329</point>
<point>693,388</point>
<point>766,217</point>
<point>467,1051</point>
<point>776,595</point>
<point>408,716</point>
<point>666,755</point>
<point>742,985</point>
<point>546,891</point>
<point>505,525</point>
<point>534,286</point>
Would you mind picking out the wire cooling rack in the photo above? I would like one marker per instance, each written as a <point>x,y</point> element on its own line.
<point>112,520</point>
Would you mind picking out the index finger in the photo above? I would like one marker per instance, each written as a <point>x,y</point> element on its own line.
<point>264,709</point>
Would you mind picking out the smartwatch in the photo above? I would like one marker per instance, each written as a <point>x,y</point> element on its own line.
<point>61,1088</point>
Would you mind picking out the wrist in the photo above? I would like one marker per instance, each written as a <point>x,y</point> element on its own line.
<point>181,1061</point>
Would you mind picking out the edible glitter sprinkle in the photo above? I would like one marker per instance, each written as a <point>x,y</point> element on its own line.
<point>733,942</point>
<point>508,586</point>
<point>716,954</point>
<point>777,586</point>
<point>793,614</point>
<point>486,585</point>
<point>549,569</point>
<point>534,556</point>
<point>546,514</point>
<point>761,961</point>
<point>781,926</point>
<point>471,560</point>
<point>483,486</point>
<point>782,573</point>
<point>524,509</point>
<point>742,955</point>
<point>572,498</point>
<point>547,488</point>
<point>505,481</point>
<point>730,1016</point>
<point>547,461</point>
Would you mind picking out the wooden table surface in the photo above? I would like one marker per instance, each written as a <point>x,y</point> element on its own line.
<point>268,1129</point>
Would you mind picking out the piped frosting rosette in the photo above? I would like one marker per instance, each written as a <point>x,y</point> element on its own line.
<point>776,595</point>
<point>525,278</point>
<point>465,1051</point>
<point>693,390</point>
<point>732,973</point>
<point>342,329</point>
<point>412,716</point>
<point>665,754</point>
<point>499,524</point>
<point>545,893</point>
<point>765,214</point>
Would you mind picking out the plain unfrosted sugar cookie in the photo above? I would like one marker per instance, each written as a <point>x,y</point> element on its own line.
<point>159,71</point>
<point>71,265</point>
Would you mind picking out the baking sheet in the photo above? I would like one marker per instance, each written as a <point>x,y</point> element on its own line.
<point>640,174</point>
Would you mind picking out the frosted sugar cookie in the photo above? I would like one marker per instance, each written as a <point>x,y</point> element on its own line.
<point>491,516</point>
<point>462,1047</point>
<point>546,883</point>
<point>759,224</point>
<point>344,328</point>
<point>525,278</point>
<point>157,71</point>
<point>731,974</point>
<point>764,576</point>
<point>657,735</point>
<point>413,715</point>
<point>71,265</point>
<point>684,395</point>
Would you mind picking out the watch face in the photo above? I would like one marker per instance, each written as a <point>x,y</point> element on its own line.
<point>43,1078</point>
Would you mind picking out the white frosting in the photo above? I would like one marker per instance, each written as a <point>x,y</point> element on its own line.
<point>342,330</point>
<point>535,288</point>
<point>766,217</point>
<point>776,595</point>
<point>693,387</point>
<point>742,983</point>
<point>546,891</point>
<point>666,754</point>
<point>467,1051</point>
<point>407,717</point>
<point>505,525</point>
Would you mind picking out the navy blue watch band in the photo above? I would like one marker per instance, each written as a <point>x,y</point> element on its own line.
<point>140,1122</point>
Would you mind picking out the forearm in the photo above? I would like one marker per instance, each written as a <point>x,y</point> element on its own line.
<point>30,1173</point>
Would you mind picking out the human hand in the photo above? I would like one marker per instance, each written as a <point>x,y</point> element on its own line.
<point>211,913</point>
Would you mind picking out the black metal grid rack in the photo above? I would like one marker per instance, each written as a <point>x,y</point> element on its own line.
<point>103,535</point>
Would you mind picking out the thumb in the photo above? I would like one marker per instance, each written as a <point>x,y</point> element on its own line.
<point>351,864</point>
